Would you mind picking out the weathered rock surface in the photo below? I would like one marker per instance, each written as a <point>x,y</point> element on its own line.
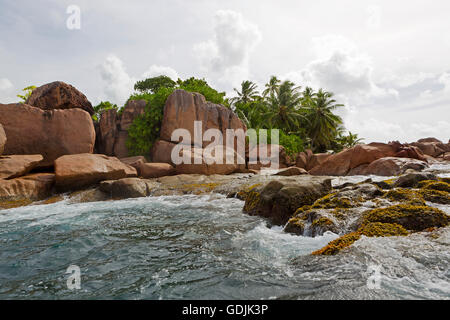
<point>391,166</point>
<point>155,170</point>
<point>27,188</point>
<point>59,95</point>
<point>161,152</point>
<point>83,170</point>
<point>127,188</point>
<point>200,163</point>
<point>131,111</point>
<point>135,162</point>
<point>107,132</point>
<point>183,108</point>
<point>18,165</point>
<point>278,200</point>
<point>50,133</point>
<point>2,139</point>
<point>344,162</point>
<point>264,156</point>
<point>308,160</point>
<point>292,171</point>
<point>114,128</point>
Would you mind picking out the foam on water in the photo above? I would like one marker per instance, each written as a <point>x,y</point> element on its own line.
<point>198,247</point>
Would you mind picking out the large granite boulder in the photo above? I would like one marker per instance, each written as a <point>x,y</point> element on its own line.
<point>155,170</point>
<point>126,188</point>
<point>59,95</point>
<point>389,166</point>
<point>278,200</point>
<point>83,170</point>
<point>308,160</point>
<point>431,147</point>
<point>114,128</point>
<point>27,188</point>
<point>202,163</point>
<point>345,162</point>
<point>18,165</point>
<point>107,132</point>
<point>183,108</point>
<point>2,139</point>
<point>132,109</point>
<point>162,151</point>
<point>50,133</point>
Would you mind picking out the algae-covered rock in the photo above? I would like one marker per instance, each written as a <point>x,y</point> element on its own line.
<point>279,199</point>
<point>416,218</point>
<point>337,245</point>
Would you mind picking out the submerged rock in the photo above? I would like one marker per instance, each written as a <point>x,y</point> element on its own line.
<point>127,188</point>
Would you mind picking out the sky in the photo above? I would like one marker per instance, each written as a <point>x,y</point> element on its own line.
<point>388,62</point>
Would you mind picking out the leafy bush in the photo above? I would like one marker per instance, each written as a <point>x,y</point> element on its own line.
<point>102,107</point>
<point>145,129</point>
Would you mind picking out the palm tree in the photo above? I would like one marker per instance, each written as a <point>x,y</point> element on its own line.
<point>284,108</point>
<point>323,123</point>
<point>247,94</point>
<point>271,87</point>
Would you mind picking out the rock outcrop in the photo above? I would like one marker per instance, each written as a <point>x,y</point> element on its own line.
<point>344,163</point>
<point>2,139</point>
<point>50,133</point>
<point>113,128</point>
<point>25,189</point>
<point>83,170</point>
<point>183,108</point>
<point>126,188</point>
<point>155,170</point>
<point>201,163</point>
<point>18,165</point>
<point>279,199</point>
<point>389,166</point>
<point>431,147</point>
<point>161,151</point>
<point>59,95</point>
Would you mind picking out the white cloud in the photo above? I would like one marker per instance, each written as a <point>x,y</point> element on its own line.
<point>156,70</point>
<point>225,57</point>
<point>5,84</point>
<point>342,68</point>
<point>118,84</point>
<point>7,91</point>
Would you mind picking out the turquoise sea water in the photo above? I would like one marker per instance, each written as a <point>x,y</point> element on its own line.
<point>201,247</point>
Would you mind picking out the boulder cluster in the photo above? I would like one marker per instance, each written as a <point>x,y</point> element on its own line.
<point>50,145</point>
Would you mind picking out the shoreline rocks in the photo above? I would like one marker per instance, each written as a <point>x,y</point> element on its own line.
<point>50,133</point>
<point>83,170</point>
<point>18,165</point>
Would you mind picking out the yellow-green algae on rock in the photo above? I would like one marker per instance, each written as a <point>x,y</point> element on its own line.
<point>373,229</point>
<point>416,218</point>
<point>405,195</point>
<point>434,185</point>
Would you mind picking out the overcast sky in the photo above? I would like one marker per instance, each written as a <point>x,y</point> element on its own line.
<point>387,61</point>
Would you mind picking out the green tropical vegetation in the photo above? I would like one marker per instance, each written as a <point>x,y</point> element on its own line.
<point>145,129</point>
<point>102,107</point>
<point>305,118</point>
